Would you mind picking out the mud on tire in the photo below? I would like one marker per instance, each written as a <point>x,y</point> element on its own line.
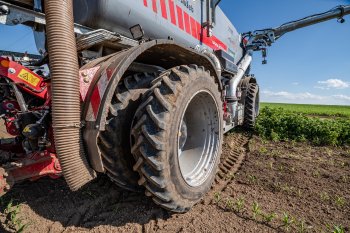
<point>252,106</point>
<point>182,93</point>
<point>114,142</point>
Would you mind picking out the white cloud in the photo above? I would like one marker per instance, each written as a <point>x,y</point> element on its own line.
<point>333,83</point>
<point>304,98</point>
<point>342,97</point>
<point>292,96</point>
<point>295,83</point>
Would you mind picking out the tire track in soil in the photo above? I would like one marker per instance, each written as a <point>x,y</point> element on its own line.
<point>85,213</point>
<point>234,153</point>
<point>102,209</point>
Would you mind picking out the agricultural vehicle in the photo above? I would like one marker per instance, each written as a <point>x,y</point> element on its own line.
<point>141,90</point>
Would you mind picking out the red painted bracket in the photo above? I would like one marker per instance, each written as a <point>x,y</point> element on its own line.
<point>23,77</point>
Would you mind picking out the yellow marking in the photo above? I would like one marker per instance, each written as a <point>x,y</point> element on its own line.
<point>26,130</point>
<point>5,63</point>
<point>28,77</point>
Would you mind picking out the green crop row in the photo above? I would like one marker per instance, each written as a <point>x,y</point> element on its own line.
<point>280,125</point>
<point>313,110</point>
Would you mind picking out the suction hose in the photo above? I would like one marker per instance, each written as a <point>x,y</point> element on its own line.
<point>65,93</point>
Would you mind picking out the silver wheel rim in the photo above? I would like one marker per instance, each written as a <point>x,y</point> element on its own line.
<point>198,138</point>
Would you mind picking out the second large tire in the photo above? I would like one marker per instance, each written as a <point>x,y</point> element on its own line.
<point>252,106</point>
<point>114,142</point>
<point>177,137</point>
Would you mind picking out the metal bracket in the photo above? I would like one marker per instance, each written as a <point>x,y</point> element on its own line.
<point>18,15</point>
<point>96,37</point>
<point>342,14</point>
<point>260,39</point>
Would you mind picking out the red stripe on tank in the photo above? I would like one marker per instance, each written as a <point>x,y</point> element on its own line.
<point>172,11</point>
<point>145,3</point>
<point>154,6</point>
<point>199,30</point>
<point>194,28</point>
<point>219,44</point>
<point>187,22</point>
<point>213,42</point>
<point>204,36</point>
<point>180,17</point>
<point>163,7</point>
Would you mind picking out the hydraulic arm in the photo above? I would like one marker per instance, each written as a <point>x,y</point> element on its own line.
<point>261,39</point>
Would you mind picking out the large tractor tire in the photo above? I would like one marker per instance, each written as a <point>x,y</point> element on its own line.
<point>114,142</point>
<point>177,137</point>
<point>252,106</point>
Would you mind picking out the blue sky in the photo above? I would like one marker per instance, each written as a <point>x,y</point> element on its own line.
<point>311,65</point>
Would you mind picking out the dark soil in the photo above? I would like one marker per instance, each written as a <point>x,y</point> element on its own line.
<point>309,184</point>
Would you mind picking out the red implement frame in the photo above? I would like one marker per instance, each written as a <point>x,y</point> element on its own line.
<point>31,167</point>
<point>23,77</point>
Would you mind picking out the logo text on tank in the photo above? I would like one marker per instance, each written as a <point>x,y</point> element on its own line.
<point>188,5</point>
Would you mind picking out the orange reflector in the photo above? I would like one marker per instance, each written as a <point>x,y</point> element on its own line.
<point>5,63</point>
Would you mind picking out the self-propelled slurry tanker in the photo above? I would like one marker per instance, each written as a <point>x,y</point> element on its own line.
<point>141,90</point>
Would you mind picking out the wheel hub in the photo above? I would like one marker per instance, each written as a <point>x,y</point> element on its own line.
<point>198,138</point>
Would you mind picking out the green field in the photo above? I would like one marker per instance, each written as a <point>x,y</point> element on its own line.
<point>317,110</point>
<point>277,124</point>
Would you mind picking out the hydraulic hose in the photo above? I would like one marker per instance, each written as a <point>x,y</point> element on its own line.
<point>66,107</point>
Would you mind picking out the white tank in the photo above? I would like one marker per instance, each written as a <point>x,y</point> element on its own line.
<point>181,20</point>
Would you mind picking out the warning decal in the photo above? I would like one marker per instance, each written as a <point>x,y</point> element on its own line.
<point>28,77</point>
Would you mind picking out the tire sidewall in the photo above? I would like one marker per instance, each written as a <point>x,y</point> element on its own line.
<point>257,101</point>
<point>252,98</point>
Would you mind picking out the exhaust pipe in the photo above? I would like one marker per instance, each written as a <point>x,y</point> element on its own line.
<point>65,93</point>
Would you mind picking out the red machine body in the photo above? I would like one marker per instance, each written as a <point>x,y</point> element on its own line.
<point>20,159</point>
<point>23,77</point>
